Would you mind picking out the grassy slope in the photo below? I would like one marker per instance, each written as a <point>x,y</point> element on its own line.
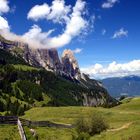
<point>129,112</point>
<point>25,67</point>
<point>45,133</point>
<point>9,132</point>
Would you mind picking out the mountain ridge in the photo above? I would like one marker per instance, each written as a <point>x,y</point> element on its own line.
<point>127,85</point>
<point>61,83</point>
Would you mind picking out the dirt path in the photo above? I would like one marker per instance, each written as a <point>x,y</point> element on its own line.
<point>120,128</point>
<point>130,112</point>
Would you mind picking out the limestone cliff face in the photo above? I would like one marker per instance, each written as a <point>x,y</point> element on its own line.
<point>70,64</point>
<point>45,58</point>
<point>48,59</point>
<point>55,61</point>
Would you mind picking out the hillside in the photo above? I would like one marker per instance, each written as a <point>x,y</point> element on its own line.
<point>124,121</point>
<point>129,85</point>
<point>28,86</point>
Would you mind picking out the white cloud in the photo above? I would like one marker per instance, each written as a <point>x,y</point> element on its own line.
<point>75,24</point>
<point>39,12</point>
<point>4,8</point>
<point>109,3</point>
<point>114,69</point>
<point>120,33</point>
<point>77,50</point>
<point>3,23</point>
<point>103,31</point>
<point>58,12</point>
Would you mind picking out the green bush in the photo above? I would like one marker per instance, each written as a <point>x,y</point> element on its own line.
<point>82,125</point>
<point>98,124</point>
<point>95,124</point>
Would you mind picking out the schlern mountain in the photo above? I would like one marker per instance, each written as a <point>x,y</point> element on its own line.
<point>39,77</point>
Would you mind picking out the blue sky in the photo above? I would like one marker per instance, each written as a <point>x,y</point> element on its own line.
<point>111,27</point>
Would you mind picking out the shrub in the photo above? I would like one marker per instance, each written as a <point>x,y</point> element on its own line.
<point>82,136</point>
<point>82,125</point>
<point>95,124</point>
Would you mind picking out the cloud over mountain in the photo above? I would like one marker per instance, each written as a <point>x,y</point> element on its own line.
<point>3,23</point>
<point>74,20</point>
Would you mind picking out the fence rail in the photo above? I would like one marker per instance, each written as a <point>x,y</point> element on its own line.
<point>44,124</point>
<point>8,119</point>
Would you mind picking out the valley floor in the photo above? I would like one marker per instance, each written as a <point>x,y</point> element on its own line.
<point>123,120</point>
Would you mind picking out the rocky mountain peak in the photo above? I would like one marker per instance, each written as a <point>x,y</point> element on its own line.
<point>68,53</point>
<point>70,64</point>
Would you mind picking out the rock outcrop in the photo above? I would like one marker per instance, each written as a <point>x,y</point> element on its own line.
<point>45,58</point>
<point>70,64</point>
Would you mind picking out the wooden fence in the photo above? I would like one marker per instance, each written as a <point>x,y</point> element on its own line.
<point>44,124</point>
<point>23,122</point>
<point>8,119</point>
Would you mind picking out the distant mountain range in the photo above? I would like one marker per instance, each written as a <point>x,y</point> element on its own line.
<point>129,85</point>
